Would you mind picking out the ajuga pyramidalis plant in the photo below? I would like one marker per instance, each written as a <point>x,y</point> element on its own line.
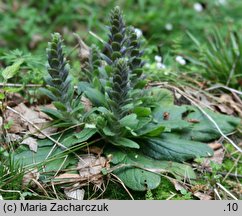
<point>60,88</point>
<point>143,125</point>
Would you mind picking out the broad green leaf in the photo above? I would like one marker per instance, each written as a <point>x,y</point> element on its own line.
<point>59,106</point>
<point>82,87</point>
<point>205,130</point>
<point>140,172</point>
<point>134,177</point>
<point>181,171</point>
<point>171,117</point>
<point>164,96</point>
<point>55,114</point>
<point>124,142</point>
<point>142,111</point>
<point>11,70</point>
<point>52,163</point>
<point>172,147</point>
<point>48,93</point>
<point>79,137</point>
<point>106,130</point>
<point>151,130</point>
<point>96,97</point>
<point>129,121</point>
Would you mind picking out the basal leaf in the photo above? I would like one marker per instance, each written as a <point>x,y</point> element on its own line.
<point>125,142</point>
<point>171,117</point>
<point>172,147</point>
<point>142,111</point>
<point>205,130</point>
<point>140,172</point>
<point>151,130</point>
<point>79,137</point>
<point>55,114</point>
<point>52,163</point>
<point>129,121</point>
<point>96,97</point>
<point>164,96</point>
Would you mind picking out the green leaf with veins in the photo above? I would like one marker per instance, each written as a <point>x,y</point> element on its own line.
<point>140,172</point>
<point>205,130</point>
<point>124,142</point>
<point>172,147</point>
<point>38,159</point>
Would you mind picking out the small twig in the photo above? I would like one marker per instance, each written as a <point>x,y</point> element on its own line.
<point>223,188</point>
<point>20,85</point>
<point>40,186</point>
<point>97,37</point>
<point>12,191</point>
<point>216,192</point>
<point>62,164</point>
<point>225,87</point>
<point>53,148</point>
<point>235,164</point>
<point>172,195</point>
<point>53,187</point>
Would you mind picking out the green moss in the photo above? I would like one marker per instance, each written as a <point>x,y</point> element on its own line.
<point>167,189</point>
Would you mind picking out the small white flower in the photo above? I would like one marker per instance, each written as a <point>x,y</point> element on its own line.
<point>136,156</point>
<point>168,26</point>
<point>159,65</point>
<point>198,7</point>
<point>180,60</point>
<point>138,32</point>
<point>147,65</point>
<point>221,2</point>
<point>158,58</point>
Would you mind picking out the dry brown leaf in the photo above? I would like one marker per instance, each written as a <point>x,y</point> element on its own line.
<point>224,109</point>
<point>31,142</point>
<point>91,166</point>
<point>216,158</point>
<point>13,99</point>
<point>77,194</point>
<point>94,150</point>
<point>30,176</point>
<point>202,196</point>
<point>32,114</point>
<point>68,176</point>
<point>229,101</point>
<point>215,145</point>
<point>178,186</point>
<point>13,137</point>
